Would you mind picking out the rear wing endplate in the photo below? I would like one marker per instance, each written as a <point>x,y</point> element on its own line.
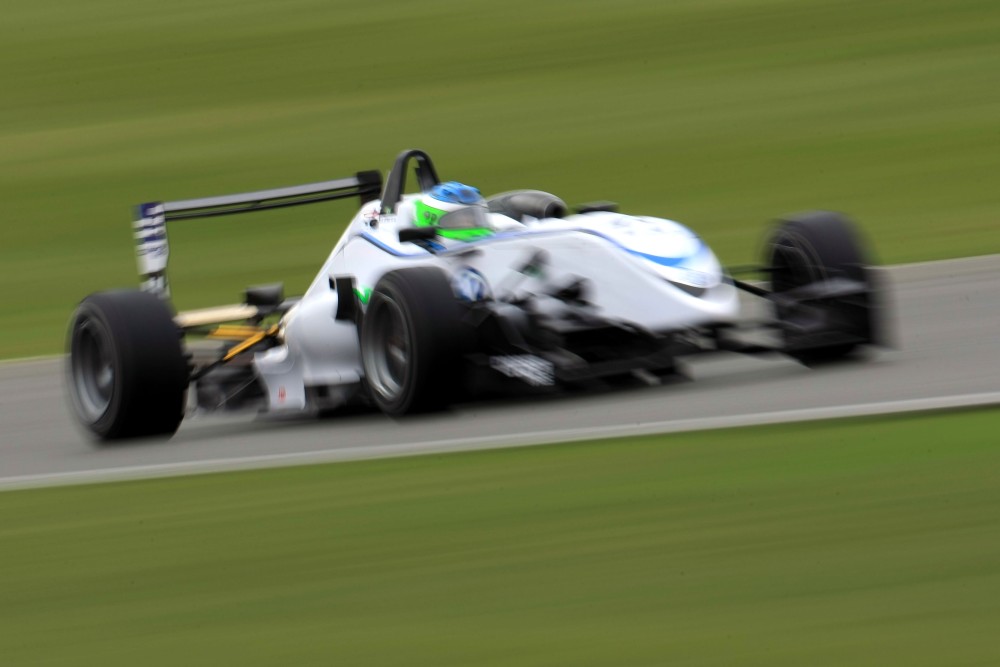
<point>151,219</point>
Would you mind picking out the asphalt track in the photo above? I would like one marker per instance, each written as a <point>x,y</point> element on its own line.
<point>946,322</point>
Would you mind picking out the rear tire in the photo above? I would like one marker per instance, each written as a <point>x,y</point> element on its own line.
<point>811,248</point>
<point>412,342</point>
<point>126,373</point>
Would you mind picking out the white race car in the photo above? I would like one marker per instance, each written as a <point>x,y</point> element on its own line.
<point>435,295</point>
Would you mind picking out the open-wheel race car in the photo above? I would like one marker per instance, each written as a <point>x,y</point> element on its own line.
<point>435,293</point>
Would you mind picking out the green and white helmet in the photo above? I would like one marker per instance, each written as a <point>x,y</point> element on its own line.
<point>457,210</point>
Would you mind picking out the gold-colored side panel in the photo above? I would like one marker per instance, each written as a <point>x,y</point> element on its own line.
<point>190,319</point>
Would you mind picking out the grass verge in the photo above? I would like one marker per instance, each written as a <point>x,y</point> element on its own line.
<point>856,542</point>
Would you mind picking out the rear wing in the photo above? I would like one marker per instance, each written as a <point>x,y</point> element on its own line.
<point>152,249</point>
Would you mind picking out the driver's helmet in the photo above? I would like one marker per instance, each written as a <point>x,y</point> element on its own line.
<point>457,210</point>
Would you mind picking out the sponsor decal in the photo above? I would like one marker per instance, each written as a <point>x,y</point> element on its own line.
<point>534,370</point>
<point>154,251</point>
<point>151,239</point>
<point>470,285</point>
<point>364,294</point>
<point>695,278</point>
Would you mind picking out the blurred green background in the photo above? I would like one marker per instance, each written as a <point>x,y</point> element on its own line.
<point>861,542</point>
<point>849,543</point>
<point>719,113</point>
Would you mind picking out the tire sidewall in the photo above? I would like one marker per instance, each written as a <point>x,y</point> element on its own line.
<point>88,316</point>
<point>385,296</point>
<point>826,243</point>
<point>431,315</point>
<point>150,370</point>
<point>812,247</point>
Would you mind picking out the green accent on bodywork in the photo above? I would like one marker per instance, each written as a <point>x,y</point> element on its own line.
<point>533,272</point>
<point>363,294</point>
<point>465,234</point>
<point>426,215</point>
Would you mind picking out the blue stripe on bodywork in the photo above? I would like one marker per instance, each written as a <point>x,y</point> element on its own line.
<point>662,261</point>
<point>656,259</point>
<point>388,248</point>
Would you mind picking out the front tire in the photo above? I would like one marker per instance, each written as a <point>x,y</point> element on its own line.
<point>412,342</point>
<point>126,372</point>
<point>809,251</point>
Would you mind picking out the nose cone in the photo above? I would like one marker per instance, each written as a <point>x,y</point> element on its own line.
<point>674,252</point>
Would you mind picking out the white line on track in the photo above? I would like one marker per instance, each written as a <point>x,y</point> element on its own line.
<point>517,440</point>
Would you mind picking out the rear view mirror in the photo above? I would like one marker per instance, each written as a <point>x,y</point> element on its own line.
<point>415,234</point>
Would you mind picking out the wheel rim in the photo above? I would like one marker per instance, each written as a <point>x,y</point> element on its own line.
<point>388,348</point>
<point>93,367</point>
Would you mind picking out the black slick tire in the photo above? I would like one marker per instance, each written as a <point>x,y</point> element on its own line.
<point>412,342</point>
<point>811,248</point>
<point>126,372</point>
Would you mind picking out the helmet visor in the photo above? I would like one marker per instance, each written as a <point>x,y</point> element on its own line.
<point>467,218</point>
